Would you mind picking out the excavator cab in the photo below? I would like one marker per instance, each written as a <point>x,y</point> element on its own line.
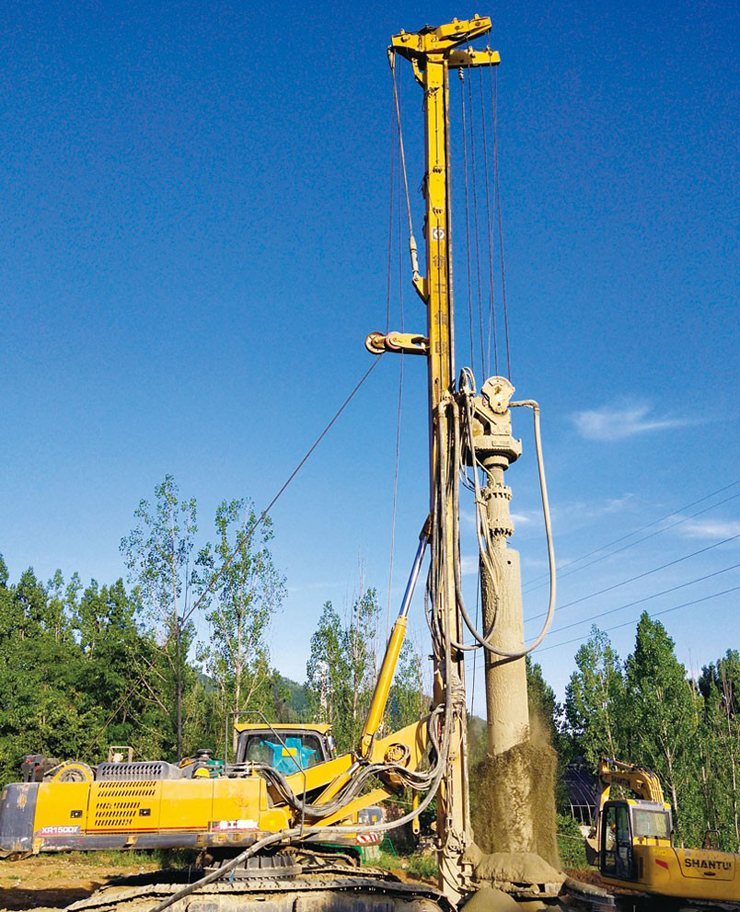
<point>626,824</point>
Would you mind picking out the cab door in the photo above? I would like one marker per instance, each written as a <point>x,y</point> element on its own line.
<point>616,842</point>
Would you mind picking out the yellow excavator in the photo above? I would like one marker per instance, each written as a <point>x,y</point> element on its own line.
<point>632,843</point>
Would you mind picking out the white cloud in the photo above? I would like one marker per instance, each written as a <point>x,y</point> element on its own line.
<point>469,564</point>
<point>524,519</point>
<point>710,528</point>
<point>576,513</point>
<point>612,423</point>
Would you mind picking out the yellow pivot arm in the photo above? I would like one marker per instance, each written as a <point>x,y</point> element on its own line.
<point>392,652</point>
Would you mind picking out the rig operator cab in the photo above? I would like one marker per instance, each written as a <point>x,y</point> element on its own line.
<point>288,749</point>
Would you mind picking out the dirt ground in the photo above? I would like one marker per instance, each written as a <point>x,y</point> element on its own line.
<point>49,883</point>
<point>53,882</point>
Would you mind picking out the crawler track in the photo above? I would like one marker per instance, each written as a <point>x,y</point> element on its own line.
<point>369,891</point>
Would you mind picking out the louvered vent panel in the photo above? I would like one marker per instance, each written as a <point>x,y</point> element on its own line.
<point>118,803</point>
<point>154,769</point>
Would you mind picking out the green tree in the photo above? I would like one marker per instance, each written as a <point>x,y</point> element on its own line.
<point>39,675</point>
<point>157,553</point>
<point>664,716</point>
<point>407,701</point>
<point>541,697</point>
<point>594,701</point>
<point>245,591</point>
<point>719,684</point>
<point>341,669</point>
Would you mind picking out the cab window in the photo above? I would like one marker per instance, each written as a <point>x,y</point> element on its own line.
<point>287,754</point>
<point>651,824</point>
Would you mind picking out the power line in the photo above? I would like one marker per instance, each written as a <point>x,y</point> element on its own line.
<point>263,515</point>
<point>632,579</point>
<point>698,601</point>
<point>622,538</point>
<point>647,598</point>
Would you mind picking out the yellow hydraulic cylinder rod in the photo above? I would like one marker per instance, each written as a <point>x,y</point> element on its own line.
<point>390,659</point>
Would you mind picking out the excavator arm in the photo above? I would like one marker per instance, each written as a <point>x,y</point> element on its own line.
<point>643,783</point>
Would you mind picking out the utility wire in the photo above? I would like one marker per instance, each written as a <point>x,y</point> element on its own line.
<point>698,601</point>
<point>632,579</point>
<point>528,586</point>
<point>263,515</point>
<point>647,598</point>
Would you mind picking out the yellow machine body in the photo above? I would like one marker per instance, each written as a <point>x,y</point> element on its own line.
<point>159,805</point>
<point>654,865</point>
<point>634,844</point>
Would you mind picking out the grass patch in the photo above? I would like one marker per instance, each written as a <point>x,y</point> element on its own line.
<point>162,858</point>
<point>424,867</point>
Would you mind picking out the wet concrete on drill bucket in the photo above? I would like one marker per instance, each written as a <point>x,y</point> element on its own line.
<point>513,799</point>
<point>513,816</point>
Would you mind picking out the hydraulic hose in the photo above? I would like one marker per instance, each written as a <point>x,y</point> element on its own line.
<point>482,639</point>
<point>298,834</point>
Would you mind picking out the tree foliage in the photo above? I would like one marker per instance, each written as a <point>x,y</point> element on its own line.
<point>245,591</point>
<point>341,673</point>
<point>157,553</point>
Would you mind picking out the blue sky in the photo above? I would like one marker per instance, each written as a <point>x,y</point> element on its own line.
<point>193,245</point>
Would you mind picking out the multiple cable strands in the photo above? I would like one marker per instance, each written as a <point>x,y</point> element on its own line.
<point>484,243</point>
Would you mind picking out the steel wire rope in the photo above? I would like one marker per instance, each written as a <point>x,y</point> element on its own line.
<point>647,598</point>
<point>649,525</point>
<point>412,240</point>
<point>400,378</point>
<point>632,579</point>
<point>476,230</point>
<point>489,224</point>
<point>497,191</point>
<point>655,614</point>
<point>264,514</point>
<point>461,77</point>
<point>646,537</point>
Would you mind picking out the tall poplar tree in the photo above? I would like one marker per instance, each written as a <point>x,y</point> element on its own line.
<point>664,718</point>
<point>245,590</point>
<point>594,701</point>
<point>157,553</point>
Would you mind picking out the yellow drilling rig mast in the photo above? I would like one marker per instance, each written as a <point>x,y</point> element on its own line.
<point>433,53</point>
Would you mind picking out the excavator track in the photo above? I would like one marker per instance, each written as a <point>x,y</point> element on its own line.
<point>370,891</point>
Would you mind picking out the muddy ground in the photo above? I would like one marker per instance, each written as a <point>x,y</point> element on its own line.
<point>53,882</point>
